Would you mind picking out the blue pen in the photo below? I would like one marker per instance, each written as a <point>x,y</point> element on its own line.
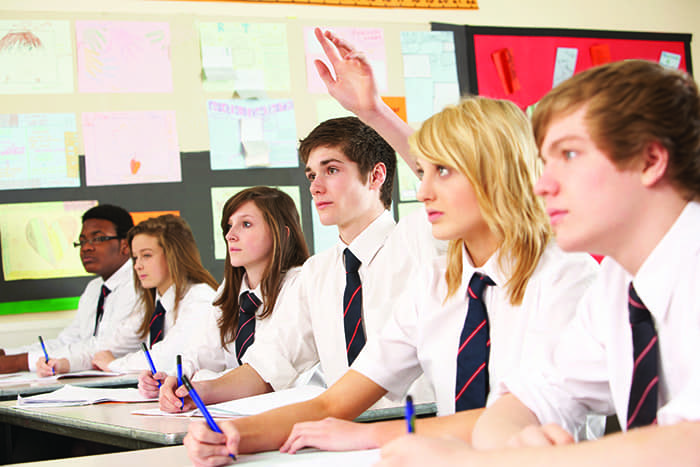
<point>46,355</point>
<point>410,415</point>
<point>150,361</point>
<point>178,360</point>
<point>202,408</point>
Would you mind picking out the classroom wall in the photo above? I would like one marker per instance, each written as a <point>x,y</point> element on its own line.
<point>677,16</point>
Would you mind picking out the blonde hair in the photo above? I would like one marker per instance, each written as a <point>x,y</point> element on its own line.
<point>490,142</point>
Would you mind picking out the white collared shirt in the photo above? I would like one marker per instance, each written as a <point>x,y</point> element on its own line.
<point>311,317</point>
<point>195,306</point>
<point>592,368</point>
<point>423,334</point>
<point>76,341</point>
<point>209,354</point>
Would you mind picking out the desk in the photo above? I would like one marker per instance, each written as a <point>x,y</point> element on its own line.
<point>8,392</point>
<point>177,455</point>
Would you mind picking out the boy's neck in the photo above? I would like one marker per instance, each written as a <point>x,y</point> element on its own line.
<point>351,229</point>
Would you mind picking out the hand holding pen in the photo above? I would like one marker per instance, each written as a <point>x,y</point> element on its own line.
<point>178,361</point>
<point>203,409</point>
<point>410,415</point>
<point>150,362</point>
<point>46,355</point>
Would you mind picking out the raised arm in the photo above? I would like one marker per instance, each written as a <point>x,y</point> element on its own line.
<point>354,87</point>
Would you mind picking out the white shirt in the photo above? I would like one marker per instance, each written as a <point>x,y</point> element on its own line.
<point>76,341</point>
<point>423,334</point>
<point>195,306</point>
<point>312,315</point>
<point>413,236</point>
<point>210,355</point>
<point>592,368</point>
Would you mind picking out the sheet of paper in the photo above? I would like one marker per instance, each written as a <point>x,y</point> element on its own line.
<point>36,56</point>
<point>30,377</point>
<point>430,72</point>
<point>219,196</point>
<point>249,405</point>
<point>312,458</point>
<point>244,56</point>
<point>670,60</point>
<point>37,239</point>
<point>123,56</point>
<point>70,395</point>
<point>131,147</point>
<point>38,151</point>
<point>368,40</point>
<point>232,120</point>
<point>564,64</point>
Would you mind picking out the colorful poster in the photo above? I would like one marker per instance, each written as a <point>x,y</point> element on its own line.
<point>37,239</point>
<point>123,56</point>
<point>130,147</point>
<point>219,196</point>
<point>38,151</point>
<point>252,133</point>
<point>430,72</point>
<point>35,57</point>
<point>244,56</point>
<point>368,40</point>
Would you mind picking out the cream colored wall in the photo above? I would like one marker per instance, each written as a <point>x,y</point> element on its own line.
<point>678,16</point>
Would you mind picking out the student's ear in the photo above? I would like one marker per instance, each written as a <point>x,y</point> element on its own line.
<point>124,247</point>
<point>655,163</point>
<point>377,176</point>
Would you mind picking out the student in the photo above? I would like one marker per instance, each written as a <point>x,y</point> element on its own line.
<point>477,190</point>
<point>621,143</point>
<point>175,292</point>
<point>265,249</point>
<point>103,251</point>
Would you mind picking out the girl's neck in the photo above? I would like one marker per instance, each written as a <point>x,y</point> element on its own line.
<point>481,248</point>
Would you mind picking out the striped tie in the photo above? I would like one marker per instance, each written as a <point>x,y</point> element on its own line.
<point>643,400</point>
<point>156,326</point>
<point>100,307</point>
<point>473,354</point>
<point>352,306</point>
<point>246,323</point>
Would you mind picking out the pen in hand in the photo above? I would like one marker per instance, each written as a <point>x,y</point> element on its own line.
<point>410,415</point>
<point>202,408</point>
<point>178,360</point>
<point>150,361</point>
<point>46,355</point>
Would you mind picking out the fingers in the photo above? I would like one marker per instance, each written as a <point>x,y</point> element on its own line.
<point>205,447</point>
<point>328,47</point>
<point>233,437</point>
<point>324,73</point>
<point>167,399</point>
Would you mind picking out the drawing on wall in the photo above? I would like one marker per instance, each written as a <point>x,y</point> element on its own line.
<point>35,57</point>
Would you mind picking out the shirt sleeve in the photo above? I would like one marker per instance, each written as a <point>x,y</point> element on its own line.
<point>287,347</point>
<point>391,359</point>
<point>206,352</point>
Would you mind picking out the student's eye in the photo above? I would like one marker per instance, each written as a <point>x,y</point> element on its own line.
<point>568,154</point>
<point>310,177</point>
<point>419,173</point>
<point>443,171</point>
<point>332,170</point>
<point>246,224</point>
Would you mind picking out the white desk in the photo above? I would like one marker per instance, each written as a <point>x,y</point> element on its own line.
<point>177,456</point>
<point>11,391</point>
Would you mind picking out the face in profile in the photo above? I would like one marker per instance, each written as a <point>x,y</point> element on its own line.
<point>98,255</point>
<point>249,239</point>
<point>150,263</point>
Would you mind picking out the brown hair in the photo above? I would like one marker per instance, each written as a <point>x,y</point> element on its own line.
<point>288,250</point>
<point>630,104</point>
<point>181,254</point>
<point>360,143</point>
<point>490,142</point>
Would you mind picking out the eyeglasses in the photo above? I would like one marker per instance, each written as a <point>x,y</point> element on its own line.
<point>94,241</point>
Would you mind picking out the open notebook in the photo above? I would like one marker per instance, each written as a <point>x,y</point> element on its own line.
<point>249,405</point>
<point>70,395</point>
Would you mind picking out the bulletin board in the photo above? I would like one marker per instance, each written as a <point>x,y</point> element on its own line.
<point>533,52</point>
<point>185,95</point>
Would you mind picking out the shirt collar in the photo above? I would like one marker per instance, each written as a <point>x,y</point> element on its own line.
<point>168,298</point>
<point>123,275</point>
<point>245,288</point>
<point>366,245</point>
<point>490,268</point>
<point>657,277</point>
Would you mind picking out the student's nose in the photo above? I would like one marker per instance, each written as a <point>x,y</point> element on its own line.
<point>316,186</point>
<point>546,185</point>
<point>425,190</point>
<point>231,234</point>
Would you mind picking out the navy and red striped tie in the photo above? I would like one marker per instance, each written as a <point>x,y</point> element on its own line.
<point>472,384</point>
<point>249,304</point>
<point>352,306</point>
<point>156,326</point>
<point>100,307</point>
<point>643,401</point>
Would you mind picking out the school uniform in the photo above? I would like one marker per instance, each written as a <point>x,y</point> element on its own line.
<point>311,318</point>
<point>209,354</point>
<point>195,306</point>
<point>423,335</point>
<point>77,338</point>
<point>591,369</point>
